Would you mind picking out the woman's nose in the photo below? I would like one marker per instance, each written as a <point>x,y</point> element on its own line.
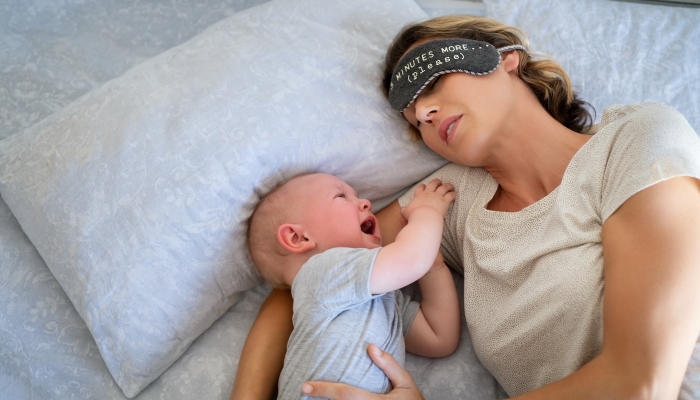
<point>425,110</point>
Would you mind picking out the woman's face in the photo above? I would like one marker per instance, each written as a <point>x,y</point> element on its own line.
<point>459,116</point>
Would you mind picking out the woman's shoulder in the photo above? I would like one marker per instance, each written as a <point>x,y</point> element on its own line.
<point>645,125</point>
<point>616,111</point>
<point>637,146</point>
<point>642,116</point>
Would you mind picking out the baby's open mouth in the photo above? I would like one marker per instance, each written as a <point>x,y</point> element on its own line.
<point>368,227</point>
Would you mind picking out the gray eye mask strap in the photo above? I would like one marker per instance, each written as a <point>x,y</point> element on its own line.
<point>422,64</point>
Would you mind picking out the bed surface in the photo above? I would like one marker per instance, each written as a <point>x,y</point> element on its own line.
<point>52,53</point>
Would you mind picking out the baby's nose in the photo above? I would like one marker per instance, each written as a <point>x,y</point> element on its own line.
<point>365,205</point>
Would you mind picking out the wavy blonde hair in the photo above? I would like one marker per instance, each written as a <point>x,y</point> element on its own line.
<point>545,77</point>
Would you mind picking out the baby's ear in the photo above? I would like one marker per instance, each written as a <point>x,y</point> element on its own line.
<point>292,238</point>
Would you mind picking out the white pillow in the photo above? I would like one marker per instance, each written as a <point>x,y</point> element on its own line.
<point>137,194</point>
<point>616,52</point>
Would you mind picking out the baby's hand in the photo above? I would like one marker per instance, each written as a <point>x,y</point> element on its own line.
<point>435,194</point>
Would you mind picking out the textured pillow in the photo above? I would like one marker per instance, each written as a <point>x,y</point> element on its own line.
<point>137,194</point>
<point>616,52</point>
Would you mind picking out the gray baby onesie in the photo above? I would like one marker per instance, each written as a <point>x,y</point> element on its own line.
<point>336,318</point>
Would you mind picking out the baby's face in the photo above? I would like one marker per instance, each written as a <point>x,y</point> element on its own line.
<point>332,214</point>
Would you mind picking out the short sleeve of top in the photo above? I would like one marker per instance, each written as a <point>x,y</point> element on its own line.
<point>654,143</point>
<point>338,279</point>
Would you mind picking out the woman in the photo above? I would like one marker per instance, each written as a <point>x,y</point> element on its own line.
<point>552,216</point>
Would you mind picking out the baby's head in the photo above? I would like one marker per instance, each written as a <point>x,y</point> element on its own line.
<point>305,216</point>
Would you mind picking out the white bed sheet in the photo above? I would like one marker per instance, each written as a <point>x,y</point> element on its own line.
<point>51,54</point>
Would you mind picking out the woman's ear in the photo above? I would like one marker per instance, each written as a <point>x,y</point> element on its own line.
<point>292,238</point>
<point>510,60</point>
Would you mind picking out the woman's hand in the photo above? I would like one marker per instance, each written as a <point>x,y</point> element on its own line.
<point>404,387</point>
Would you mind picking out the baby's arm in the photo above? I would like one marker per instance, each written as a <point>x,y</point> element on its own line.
<point>412,254</point>
<point>436,328</point>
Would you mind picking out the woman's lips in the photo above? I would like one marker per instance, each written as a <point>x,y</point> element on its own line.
<point>448,127</point>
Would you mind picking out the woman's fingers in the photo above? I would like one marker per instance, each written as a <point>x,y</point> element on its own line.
<point>404,387</point>
<point>399,377</point>
<point>337,391</point>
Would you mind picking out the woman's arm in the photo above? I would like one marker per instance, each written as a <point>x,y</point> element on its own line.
<point>651,313</point>
<point>263,352</point>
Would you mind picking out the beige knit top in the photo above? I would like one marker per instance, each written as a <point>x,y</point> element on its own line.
<point>533,279</point>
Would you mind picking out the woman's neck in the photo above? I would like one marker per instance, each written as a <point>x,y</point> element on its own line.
<point>531,161</point>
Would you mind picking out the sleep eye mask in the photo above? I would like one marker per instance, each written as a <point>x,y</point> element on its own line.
<point>418,67</point>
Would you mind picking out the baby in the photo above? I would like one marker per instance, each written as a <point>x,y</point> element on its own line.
<point>315,235</point>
